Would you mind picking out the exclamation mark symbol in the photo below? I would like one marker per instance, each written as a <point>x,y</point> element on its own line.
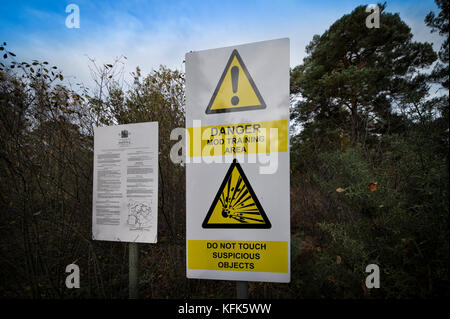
<point>234,84</point>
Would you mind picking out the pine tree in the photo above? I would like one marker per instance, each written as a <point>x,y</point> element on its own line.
<point>353,74</point>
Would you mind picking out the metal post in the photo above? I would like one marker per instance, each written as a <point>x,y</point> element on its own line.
<point>242,289</point>
<point>133,263</point>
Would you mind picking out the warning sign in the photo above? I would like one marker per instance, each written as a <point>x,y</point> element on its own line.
<point>236,90</point>
<point>236,204</point>
<point>241,138</point>
<point>229,255</point>
<point>237,163</point>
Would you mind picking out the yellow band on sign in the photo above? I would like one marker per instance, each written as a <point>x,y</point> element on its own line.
<point>230,255</point>
<point>241,138</point>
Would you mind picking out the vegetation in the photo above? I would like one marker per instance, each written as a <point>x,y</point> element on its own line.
<point>372,160</point>
<point>369,171</point>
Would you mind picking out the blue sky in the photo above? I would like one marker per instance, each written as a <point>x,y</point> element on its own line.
<point>150,33</point>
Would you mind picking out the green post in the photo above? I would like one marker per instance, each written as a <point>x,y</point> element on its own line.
<point>242,289</point>
<point>133,252</point>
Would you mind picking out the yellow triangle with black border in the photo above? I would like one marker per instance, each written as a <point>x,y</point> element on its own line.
<point>236,90</point>
<point>236,204</point>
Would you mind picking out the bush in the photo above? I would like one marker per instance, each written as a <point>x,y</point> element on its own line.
<point>391,211</point>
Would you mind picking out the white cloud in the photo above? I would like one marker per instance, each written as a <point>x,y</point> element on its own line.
<point>165,41</point>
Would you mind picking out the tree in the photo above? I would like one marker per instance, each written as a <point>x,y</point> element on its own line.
<point>45,159</point>
<point>440,23</point>
<point>441,69</point>
<point>386,202</point>
<point>353,74</point>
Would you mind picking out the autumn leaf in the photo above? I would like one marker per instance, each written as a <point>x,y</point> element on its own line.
<point>364,287</point>
<point>373,186</point>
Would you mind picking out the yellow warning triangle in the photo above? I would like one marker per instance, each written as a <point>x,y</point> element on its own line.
<point>236,205</point>
<point>236,90</point>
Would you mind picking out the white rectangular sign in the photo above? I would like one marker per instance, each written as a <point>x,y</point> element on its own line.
<point>237,163</point>
<point>125,196</point>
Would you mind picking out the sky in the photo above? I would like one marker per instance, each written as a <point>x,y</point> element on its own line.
<point>153,33</point>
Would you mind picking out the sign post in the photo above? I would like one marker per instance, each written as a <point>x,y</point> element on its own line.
<point>133,259</point>
<point>125,192</point>
<point>241,289</point>
<point>237,164</point>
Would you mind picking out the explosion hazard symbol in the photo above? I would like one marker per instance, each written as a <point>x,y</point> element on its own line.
<point>236,204</point>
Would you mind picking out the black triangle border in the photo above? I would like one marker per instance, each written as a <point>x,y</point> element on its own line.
<point>266,224</point>
<point>208,110</point>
